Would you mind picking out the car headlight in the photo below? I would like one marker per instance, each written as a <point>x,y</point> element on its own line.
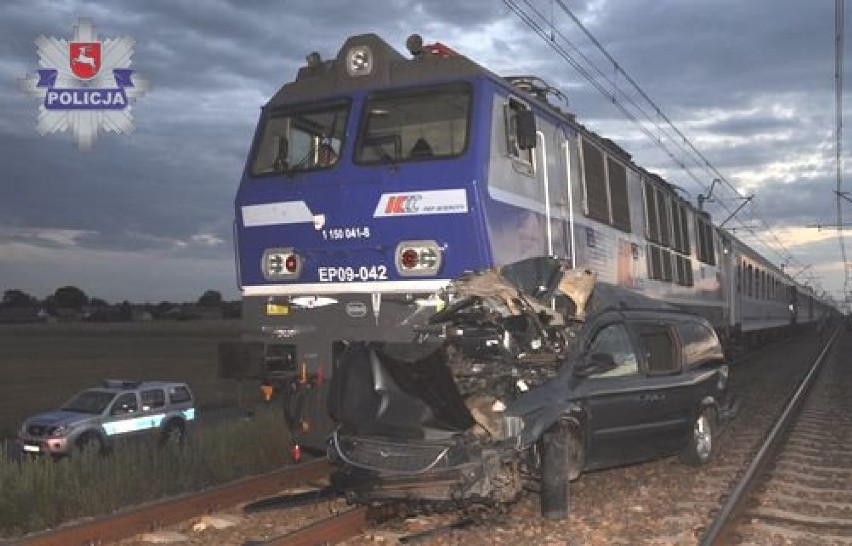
<point>60,430</point>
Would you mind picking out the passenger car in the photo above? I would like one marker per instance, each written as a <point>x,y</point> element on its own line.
<point>95,418</point>
<point>517,392</point>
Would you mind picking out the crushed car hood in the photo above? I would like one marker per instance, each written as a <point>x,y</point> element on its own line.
<point>495,336</point>
<point>402,391</point>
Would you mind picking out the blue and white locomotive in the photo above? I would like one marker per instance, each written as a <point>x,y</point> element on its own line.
<point>376,177</point>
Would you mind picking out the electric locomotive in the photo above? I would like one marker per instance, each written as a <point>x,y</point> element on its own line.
<point>376,177</point>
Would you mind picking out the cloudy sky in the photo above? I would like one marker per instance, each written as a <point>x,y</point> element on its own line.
<point>148,216</point>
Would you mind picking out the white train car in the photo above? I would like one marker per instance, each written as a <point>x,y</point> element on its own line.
<point>604,213</point>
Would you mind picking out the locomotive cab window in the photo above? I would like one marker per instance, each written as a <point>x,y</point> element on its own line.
<point>301,138</point>
<point>515,112</point>
<point>414,125</point>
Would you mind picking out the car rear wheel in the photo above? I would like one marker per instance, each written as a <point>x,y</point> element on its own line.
<point>559,459</point>
<point>700,446</point>
<point>173,435</point>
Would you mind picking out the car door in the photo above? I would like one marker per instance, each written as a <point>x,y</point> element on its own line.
<point>153,407</point>
<point>669,395</point>
<point>617,423</point>
<point>124,418</point>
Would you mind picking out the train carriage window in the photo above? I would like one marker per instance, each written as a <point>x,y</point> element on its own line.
<point>513,149</point>
<point>655,266</point>
<point>749,281</point>
<point>663,215</point>
<point>756,283</point>
<point>739,279</point>
<point>685,231</point>
<point>429,123</point>
<point>666,259</point>
<point>683,270</point>
<point>689,279</point>
<point>594,177</point>
<point>677,244</point>
<point>710,246</point>
<point>651,223</point>
<point>301,138</point>
<point>617,175</point>
<point>704,240</point>
<point>680,270</point>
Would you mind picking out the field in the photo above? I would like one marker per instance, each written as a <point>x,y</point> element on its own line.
<point>42,365</point>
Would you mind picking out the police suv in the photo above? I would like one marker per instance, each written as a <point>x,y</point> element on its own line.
<point>95,418</point>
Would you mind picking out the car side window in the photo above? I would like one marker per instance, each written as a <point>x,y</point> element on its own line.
<point>615,341</point>
<point>700,343</point>
<point>124,404</point>
<point>179,394</point>
<point>659,346</point>
<point>153,399</point>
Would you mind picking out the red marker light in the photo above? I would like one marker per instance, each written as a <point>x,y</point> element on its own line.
<point>291,262</point>
<point>296,453</point>
<point>409,258</point>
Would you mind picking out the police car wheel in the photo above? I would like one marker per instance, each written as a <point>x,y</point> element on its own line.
<point>173,434</point>
<point>90,444</point>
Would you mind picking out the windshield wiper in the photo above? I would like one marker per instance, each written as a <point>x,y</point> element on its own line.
<point>280,163</point>
<point>384,156</point>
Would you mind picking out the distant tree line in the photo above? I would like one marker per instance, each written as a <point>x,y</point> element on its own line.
<point>72,301</point>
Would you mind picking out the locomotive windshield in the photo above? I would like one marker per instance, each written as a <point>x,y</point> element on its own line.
<point>414,125</point>
<point>301,138</point>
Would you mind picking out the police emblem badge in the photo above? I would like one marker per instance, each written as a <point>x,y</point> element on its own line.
<point>86,85</point>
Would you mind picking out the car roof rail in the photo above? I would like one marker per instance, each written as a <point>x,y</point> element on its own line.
<point>120,384</point>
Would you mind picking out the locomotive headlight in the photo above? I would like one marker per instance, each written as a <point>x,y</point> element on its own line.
<point>281,264</point>
<point>418,258</point>
<point>359,61</point>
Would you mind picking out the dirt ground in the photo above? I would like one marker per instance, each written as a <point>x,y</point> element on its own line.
<point>42,365</point>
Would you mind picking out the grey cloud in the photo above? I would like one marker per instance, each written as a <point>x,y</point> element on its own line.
<point>157,192</point>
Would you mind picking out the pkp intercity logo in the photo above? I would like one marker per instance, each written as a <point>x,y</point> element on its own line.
<point>85,85</point>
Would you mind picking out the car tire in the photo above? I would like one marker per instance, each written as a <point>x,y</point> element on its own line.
<point>174,434</point>
<point>90,444</point>
<point>700,444</point>
<point>557,470</point>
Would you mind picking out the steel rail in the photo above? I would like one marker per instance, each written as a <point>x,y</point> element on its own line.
<point>330,530</point>
<point>145,518</point>
<point>719,531</point>
<point>340,527</point>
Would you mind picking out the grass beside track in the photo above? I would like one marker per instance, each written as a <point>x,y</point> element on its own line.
<point>39,494</point>
<point>42,365</point>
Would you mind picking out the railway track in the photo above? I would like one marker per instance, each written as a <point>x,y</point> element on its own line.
<point>155,515</point>
<point>798,487</point>
<point>654,503</point>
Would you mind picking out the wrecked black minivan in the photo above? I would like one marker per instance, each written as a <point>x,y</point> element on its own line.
<point>528,375</point>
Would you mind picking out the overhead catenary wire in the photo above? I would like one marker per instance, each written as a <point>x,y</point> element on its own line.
<point>544,26</point>
<point>838,148</point>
